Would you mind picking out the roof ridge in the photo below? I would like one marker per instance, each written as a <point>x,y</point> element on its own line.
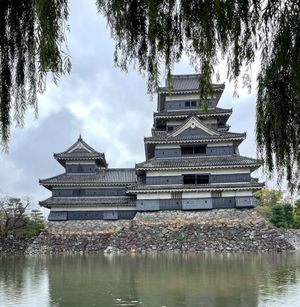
<point>57,176</point>
<point>120,168</point>
<point>80,140</point>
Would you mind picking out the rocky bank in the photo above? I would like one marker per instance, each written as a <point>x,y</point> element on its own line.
<point>229,230</point>
<point>166,231</point>
<point>12,245</point>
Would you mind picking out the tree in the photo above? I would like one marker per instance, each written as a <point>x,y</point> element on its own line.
<point>274,207</point>
<point>288,215</point>
<point>156,34</point>
<point>12,215</point>
<point>278,216</point>
<point>35,223</point>
<point>268,197</point>
<point>32,41</point>
<point>297,214</point>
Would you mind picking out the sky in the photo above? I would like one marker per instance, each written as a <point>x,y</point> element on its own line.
<point>111,109</point>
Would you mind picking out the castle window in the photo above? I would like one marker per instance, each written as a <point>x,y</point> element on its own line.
<point>200,149</point>
<point>193,150</point>
<point>189,179</point>
<point>187,150</point>
<point>216,194</point>
<point>78,192</point>
<point>195,179</point>
<point>202,179</point>
<point>187,103</point>
<point>176,195</point>
<point>193,103</point>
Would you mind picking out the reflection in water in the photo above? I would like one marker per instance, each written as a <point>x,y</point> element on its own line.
<point>160,280</point>
<point>24,282</point>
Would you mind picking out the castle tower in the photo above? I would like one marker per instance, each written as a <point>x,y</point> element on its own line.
<point>192,161</point>
<point>88,189</point>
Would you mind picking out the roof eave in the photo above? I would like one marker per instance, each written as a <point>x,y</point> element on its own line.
<point>259,186</point>
<point>148,140</point>
<point>255,166</point>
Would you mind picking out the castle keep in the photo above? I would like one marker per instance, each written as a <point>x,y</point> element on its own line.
<point>192,163</point>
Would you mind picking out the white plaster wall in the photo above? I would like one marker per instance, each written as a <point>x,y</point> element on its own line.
<point>196,194</point>
<point>154,196</point>
<point>236,193</point>
<point>167,146</point>
<point>220,144</point>
<point>80,162</point>
<point>92,208</point>
<point>202,171</point>
<point>186,97</point>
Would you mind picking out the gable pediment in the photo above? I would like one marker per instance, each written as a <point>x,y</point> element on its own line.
<point>193,126</point>
<point>79,147</point>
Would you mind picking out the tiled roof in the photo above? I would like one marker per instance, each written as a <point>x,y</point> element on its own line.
<point>197,162</point>
<point>197,112</point>
<point>203,187</point>
<point>80,150</point>
<point>79,155</point>
<point>116,176</point>
<point>186,83</point>
<point>87,201</point>
<point>224,135</point>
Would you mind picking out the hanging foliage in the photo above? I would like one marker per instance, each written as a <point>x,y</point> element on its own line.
<point>155,34</point>
<point>32,36</point>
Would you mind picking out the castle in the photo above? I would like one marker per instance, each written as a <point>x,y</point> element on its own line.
<point>192,163</point>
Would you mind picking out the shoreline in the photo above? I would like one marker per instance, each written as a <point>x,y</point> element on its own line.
<point>214,231</point>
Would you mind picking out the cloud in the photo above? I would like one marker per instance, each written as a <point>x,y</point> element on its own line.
<point>110,108</point>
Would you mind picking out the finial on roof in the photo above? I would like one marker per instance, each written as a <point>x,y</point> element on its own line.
<point>79,139</point>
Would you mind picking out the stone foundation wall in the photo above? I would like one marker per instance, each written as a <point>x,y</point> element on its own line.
<point>12,245</point>
<point>216,230</point>
<point>88,227</point>
<point>165,231</point>
<point>293,237</point>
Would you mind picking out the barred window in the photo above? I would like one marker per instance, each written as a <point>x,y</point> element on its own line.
<point>216,194</point>
<point>195,179</point>
<point>193,150</point>
<point>176,195</point>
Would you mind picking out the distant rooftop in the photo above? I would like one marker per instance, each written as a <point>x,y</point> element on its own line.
<point>80,150</point>
<point>183,85</point>
<point>188,83</point>
<point>112,176</point>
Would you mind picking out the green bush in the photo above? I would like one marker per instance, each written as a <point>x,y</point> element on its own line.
<point>297,214</point>
<point>277,209</point>
<point>288,215</point>
<point>35,223</point>
<point>278,216</point>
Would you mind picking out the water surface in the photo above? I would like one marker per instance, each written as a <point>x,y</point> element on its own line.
<point>160,280</point>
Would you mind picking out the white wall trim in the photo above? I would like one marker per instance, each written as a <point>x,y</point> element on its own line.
<point>193,122</point>
<point>92,208</point>
<point>210,171</point>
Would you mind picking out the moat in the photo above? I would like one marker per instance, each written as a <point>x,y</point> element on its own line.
<point>243,279</point>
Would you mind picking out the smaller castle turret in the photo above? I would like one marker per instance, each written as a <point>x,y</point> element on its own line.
<point>88,189</point>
